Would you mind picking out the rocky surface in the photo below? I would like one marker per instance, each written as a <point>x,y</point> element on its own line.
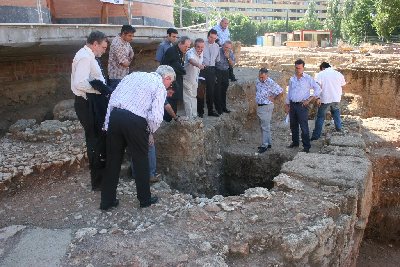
<point>314,215</point>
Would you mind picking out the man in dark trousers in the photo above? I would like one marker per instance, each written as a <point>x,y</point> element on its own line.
<point>298,98</point>
<point>226,60</point>
<point>210,57</point>
<point>175,57</point>
<point>88,86</point>
<point>135,112</point>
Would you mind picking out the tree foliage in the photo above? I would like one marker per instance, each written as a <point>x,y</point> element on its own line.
<point>333,18</point>
<point>387,19</point>
<point>188,17</point>
<point>359,23</point>
<point>311,21</point>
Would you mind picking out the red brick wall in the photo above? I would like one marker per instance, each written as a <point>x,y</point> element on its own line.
<point>20,3</point>
<point>92,9</point>
<point>35,67</point>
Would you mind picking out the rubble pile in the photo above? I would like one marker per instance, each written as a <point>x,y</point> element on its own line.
<point>31,149</point>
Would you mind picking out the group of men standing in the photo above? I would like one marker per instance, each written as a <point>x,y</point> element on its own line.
<point>202,71</point>
<point>325,89</point>
<point>124,110</point>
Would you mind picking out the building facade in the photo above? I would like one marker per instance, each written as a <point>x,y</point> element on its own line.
<point>149,12</point>
<point>263,9</point>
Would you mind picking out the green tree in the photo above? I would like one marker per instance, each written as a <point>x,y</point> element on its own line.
<point>310,19</point>
<point>359,23</point>
<point>188,17</point>
<point>241,27</point>
<point>333,18</point>
<point>387,19</point>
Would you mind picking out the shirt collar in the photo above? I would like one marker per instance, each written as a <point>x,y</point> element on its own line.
<point>87,48</point>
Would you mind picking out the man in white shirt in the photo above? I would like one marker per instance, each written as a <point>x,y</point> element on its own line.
<point>85,70</point>
<point>193,65</point>
<point>135,111</point>
<point>331,82</point>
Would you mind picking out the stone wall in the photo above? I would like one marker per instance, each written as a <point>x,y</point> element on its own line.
<point>379,90</point>
<point>33,80</point>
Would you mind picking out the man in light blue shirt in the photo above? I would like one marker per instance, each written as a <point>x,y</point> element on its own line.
<point>172,35</point>
<point>298,98</point>
<point>223,36</point>
<point>223,31</point>
<point>266,92</point>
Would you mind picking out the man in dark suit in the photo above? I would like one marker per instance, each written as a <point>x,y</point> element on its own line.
<point>175,57</point>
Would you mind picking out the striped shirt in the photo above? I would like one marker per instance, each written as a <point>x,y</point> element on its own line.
<point>85,68</point>
<point>266,89</point>
<point>143,94</point>
<point>120,52</point>
<point>300,89</point>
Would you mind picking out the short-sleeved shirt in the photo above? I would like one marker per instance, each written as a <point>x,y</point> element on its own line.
<point>265,89</point>
<point>300,89</point>
<point>331,82</point>
<point>192,72</point>
<point>223,63</point>
<point>162,48</point>
<point>120,52</point>
<point>210,54</point>
<point>223,34</point>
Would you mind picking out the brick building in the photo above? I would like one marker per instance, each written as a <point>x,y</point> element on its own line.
<point>86,12</point>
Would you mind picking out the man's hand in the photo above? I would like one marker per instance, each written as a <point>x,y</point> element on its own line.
<point>201,66</point>
<point>271,98</point>
<point>227,54</point>
<point>151,140</point>
<point>318,102</point>
<point>287,108</point>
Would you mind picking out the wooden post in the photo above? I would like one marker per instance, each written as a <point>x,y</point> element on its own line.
<point>104,13</point>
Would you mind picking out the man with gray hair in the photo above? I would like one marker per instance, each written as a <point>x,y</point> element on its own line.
<point>174,57</point>
<point>134,112</point>
<point>88,84</point>
<point>193,65</point>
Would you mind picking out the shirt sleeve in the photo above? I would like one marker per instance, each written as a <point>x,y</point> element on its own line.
<point>342,80</point>
<point>276,88</point>
<point>287,101</point>
<point>159,53</point>
<point>155,115</point>
<point>82,74</point>
<point>316,87</point>
<point>232,56</point>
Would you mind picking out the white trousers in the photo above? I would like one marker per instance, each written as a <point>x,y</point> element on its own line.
<point>189,98</point>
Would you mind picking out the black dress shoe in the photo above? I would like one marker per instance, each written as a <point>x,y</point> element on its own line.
<point>307,150</point>
<point>200,115</point>
<point>153,200</point>
<point>262,149</point>
<point>313,139</point>
<point>213,114</point>
<point>293,145</point>
<point>269,146</point>
<point>109,206</point>
<point>226,110</point>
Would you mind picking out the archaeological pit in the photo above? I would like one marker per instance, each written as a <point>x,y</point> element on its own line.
<point>221,203</point>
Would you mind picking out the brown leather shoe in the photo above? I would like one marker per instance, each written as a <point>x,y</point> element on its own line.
<point>155,179</point>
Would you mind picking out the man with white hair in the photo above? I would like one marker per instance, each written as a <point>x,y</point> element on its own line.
<point>223,36</point>
<point>134,112</point>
